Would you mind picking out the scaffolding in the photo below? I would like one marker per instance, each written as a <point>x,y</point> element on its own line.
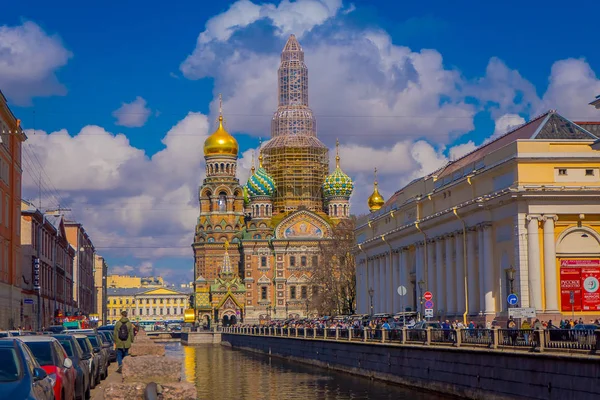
<point>296,159</point>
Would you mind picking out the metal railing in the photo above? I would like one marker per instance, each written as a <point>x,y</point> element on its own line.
<point>525,339</point>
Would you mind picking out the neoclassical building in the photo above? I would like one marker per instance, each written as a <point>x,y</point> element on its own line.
<point>255,244</point>
<point>520,214</point>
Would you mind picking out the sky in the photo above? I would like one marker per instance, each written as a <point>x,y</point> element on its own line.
<point>118,100</point>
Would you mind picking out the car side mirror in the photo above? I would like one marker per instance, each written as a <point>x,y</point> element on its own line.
<point>39,374</point>
<point>68,363</point>
<point>96,349</point>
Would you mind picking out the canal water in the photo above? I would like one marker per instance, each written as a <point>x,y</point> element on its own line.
<point>223,373</point>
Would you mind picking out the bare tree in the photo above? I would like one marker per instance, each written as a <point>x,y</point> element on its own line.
<point>335,277</point>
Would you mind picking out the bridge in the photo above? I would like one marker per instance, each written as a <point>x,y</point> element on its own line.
<point>163,336</point>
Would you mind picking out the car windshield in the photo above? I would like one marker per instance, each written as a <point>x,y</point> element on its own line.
<point>82,342</point>
<point>93,340</point>
<point>11,369</point>
<point>42,352</point>
<point>66,344</point>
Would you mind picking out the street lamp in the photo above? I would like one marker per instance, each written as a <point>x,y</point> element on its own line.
<point>307,303</point>
<point>371,293</point>
<point>286,309</point>
<point>421,284</point>
<point>269,312</point>
<point>510,274</point>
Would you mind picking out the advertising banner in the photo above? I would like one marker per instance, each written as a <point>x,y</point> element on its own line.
<point>570,281</point>
<point>590,279</point>
<point>580,263</point>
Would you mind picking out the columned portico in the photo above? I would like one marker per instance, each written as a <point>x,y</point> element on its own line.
<point>488,271</point>
<point>439,298</point>
<point>472,272</point>
<point>450,276</point>
<point>460,273</point>
<point>533,261</point>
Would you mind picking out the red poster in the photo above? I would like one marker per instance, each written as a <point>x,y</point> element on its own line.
<point>590,284</point>
<point>570,281</point>
<point>569,263</point>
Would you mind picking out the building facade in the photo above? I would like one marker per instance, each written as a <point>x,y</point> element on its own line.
<point>517,215</point>
<point>47,267</point>
<point>83,267</point>
<point>143,304</point>
<point>266,233</point>
<point>100,273</point>
<point>11,140</point>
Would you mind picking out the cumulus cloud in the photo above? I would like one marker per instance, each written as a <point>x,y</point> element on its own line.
<point>507,122</point>
<point>132,115</point>
<point>29,60</point>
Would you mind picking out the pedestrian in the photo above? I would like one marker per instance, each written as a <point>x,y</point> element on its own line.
<point>123,334</point>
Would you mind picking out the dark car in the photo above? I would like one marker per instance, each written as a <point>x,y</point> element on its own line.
<point>21,377</point>
<point>98,344</point>
<point>106,328</point>
<point>56,329</point>
<point>81,363</point>
<point>109,343</point>
<point>88,351</point>
<point>52,357</point>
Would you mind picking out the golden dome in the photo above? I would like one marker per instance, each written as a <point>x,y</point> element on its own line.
<point>220,142</point>
<point>376,200</point>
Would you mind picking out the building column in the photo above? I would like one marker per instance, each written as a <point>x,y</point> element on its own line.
<point>431,271</point>
<point>480,269</point>
<point>391,275</point>
<point>376,280</point>
<point>450,277</point>
<point>419,274</point>
<point>533,262</point>
<point>405,301</point>
<point>488,271</point>
<point>359,285</point>
<point>472,286</point>
<point>383,294</point>
<point>460,273</point>
<point>439,298</point>
<point>550,288</point>
<point>371,284</point>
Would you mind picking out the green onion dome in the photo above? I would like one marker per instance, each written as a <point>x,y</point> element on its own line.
<point>261,183</point>
<point>338,184</point>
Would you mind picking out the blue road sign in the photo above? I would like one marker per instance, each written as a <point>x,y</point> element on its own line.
<point>27,301</point>
<point>429,304</point>
<point>512,299</point>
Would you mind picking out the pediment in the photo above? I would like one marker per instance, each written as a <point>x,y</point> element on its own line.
<point>264,279</point>
<point>303,224</point>
<point>160,291</point>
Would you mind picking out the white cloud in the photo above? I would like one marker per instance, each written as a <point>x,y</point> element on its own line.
<point>460,150</point>
<point>507,122</point>
<point>132,115</point>
<point>29,60</point>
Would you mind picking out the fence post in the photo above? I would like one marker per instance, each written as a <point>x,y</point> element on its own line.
<point>383,335</point>
<point>404,335</point>
<point>365,333</point>
<point>296,331</point>
<point>304,332</point>
<point>350,334</point>
<point>458,333</point>
<point>428,336</point>
<point>314,333</point>
<point>337,333</point>
<point>325,333</point>
<point>495,337</point>
<point>542,336</point>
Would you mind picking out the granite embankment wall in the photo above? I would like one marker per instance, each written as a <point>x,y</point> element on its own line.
<point>468,373</point>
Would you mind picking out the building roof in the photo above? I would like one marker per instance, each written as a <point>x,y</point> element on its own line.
<point>139,291</point>
<point>596,102</point>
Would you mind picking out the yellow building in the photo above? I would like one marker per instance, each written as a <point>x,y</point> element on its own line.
<point>143,304</point>
<point>126,281</point>
<point>519,214</point>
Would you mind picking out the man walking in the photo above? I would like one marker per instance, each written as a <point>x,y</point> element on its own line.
<point>123,334</point>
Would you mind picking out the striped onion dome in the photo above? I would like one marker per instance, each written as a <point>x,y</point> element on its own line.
<point>338,184</point>
<point>261,183</point>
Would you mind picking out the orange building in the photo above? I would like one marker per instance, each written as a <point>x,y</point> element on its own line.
<point>11,138</point>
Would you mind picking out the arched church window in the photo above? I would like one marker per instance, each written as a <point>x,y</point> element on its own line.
<point>222,201</point>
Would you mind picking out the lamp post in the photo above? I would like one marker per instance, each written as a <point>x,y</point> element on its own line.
<point>371,293</point>
<point>421,284</point>
<point>286,310</point>
<point>510,275</point>
<point>269,312</point>
<point>307,303</point>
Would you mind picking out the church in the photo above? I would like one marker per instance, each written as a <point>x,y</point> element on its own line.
<point>255,244</point>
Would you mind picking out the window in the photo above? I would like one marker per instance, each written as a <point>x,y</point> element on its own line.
<point>589,172</point>
<point>126,301</point>
<point>263,261</point>
<point>303,261</point>
<point>222,201</point>
<point>292,261</point>
<point>304,292</point>
<point>153,301</point>
<point>161,301</point>
<point>147,301</point>
<point>293,292</point>
<point>263,293</point>
<point>562,171</point>
<point>168,311</point>
<point>154,311</point>
<point>120,301</point>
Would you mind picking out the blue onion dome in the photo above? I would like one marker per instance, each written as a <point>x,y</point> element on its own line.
<point>338,184</point>
<point>261,183</point>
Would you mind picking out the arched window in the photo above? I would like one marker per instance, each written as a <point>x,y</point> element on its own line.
<point>222,201</point>
<point>335,210</point>
<point>222,167</point>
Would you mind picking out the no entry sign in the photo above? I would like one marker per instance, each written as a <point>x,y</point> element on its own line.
<point>428,296</point>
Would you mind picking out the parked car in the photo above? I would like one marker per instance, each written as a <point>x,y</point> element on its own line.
<point>81,362</point>
<point>56,329</point>
<point>109,342</point>
<point>4,334</point>
<point>21,377</point>
<point>103,352</point>
<point>53,358</point>
<point>107,328</point>
<point>88,351</point>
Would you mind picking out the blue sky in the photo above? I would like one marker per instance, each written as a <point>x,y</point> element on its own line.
<point>410,84</point>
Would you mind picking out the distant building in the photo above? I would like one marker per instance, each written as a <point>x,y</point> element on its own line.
<point>11,139</point>
<point>100,271</point>
<point>47,262</point>
<point>520,215</point>
<point>145,304</point>
<point>128,281</point>
<point>83,267</point>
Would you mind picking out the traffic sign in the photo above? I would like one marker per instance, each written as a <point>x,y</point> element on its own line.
<point>401,290</point>
<point>512,299</point>
<point>429,304</point>
<point>27,301</point>
<point>428,296</point>
<point>428,313</point>
<point>528,312</point>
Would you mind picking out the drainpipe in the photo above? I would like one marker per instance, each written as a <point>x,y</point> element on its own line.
<point>425,260</point>
<point>367,274</point>
<point>391,264</point>
<point>455,211</point>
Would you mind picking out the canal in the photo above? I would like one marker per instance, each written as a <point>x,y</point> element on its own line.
<point>223,373</point>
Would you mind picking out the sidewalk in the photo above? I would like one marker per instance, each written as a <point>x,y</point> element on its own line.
<point>113,377</point>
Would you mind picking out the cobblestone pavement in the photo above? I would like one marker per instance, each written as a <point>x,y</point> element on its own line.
<point>113,377</point>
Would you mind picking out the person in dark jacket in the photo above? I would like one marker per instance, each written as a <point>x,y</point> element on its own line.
<point>123,335</point>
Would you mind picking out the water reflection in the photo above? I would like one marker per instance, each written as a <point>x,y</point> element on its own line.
<point>224,373</point>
